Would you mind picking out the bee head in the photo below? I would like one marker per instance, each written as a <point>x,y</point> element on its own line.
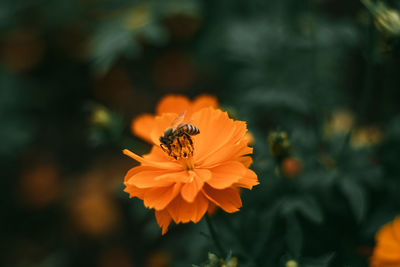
<point>163,140</point>
<point>168,131</point>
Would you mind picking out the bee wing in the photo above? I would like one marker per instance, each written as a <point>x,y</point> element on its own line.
<point>179,121</point>
<point>183,123</point>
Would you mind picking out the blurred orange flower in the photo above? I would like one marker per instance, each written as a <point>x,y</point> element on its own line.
<point>22,50</point>
<point>291,167</point>
<point>94,214</point>
<point>143,125</point>
<point>159,259</point>
<point>387,250</point>
<point>182,190</point>
<point>40,185</point>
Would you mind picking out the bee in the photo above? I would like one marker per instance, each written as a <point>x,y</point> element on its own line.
<point>176,140</point>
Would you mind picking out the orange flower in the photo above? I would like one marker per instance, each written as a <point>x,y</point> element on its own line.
<point>143,125</point>
<point>387,250</point>
<point>183,190</point>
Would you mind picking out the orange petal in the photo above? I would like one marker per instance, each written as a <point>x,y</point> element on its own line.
<point>171,165</point>
<point>246,161</point>
<point>163,219</point>
<point>386,235</point>
<point>228,199</point>
<point>248,180</point>
<point>249,139</point>
<point>217,130</point>
<point>195,184</point>
<point>142,126</point>
<point>227,153</point>
<point>226,174</point>
<point>135,170</point>
<point>212,208</point>
<point>173,104</point>
<point>387,247</point>
<point>387,253</point>
<point>147,179</point>
<point>203,101</point>
<point>158,198</point>
<point>134,191</point>
<point>382,263</point>
<point>182,211</point>
<point>174,177</point>
<point>157,154</point>
<point>396,228</point>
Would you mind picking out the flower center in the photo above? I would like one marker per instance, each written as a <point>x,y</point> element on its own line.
<point>178,147</point>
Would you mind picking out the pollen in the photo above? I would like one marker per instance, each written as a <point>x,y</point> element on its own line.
<point>181,148</point>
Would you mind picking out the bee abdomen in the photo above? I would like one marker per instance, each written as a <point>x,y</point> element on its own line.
<point>191,130</point>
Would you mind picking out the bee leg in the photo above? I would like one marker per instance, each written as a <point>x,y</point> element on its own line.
<point>190,146</point>
<point>169,150</point>
<point>181,147</point>
<point>163,147</point>
<point>179,142</point>
<point>189,139</point>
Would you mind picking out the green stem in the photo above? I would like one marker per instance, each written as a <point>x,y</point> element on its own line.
<point>214,236</point>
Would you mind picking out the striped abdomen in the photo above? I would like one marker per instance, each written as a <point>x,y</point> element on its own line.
<point>188,129</point>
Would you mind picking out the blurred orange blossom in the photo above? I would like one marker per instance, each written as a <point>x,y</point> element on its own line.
<point>183,190</point>
<point>387,250</point>
<point>144,124</point>
<point>291,167</point>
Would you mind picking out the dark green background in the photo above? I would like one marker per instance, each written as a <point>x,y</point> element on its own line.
<point>278,64</point>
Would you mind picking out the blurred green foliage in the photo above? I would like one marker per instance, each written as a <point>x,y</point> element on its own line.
<point>74,73</point>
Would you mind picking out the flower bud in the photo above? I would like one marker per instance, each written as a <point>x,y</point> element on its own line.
<point>232,262</point>
<point>291,263</point>
<point>279,144</point>
<point>100,116</point>
<point>387,20</point>
<point>213,259</point>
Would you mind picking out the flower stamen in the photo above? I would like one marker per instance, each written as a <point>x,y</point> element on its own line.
<point>181,147</point>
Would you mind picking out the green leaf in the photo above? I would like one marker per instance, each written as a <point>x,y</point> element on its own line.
<point>323,261</point>
<point>109,42</point>
<point>311,209</point>
<point>155,34</point>
<point>356,197</point>
<point>306,205</point>
<point>294,235</point>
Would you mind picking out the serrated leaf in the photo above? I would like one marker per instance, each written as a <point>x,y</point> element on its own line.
<point>356,197</point>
